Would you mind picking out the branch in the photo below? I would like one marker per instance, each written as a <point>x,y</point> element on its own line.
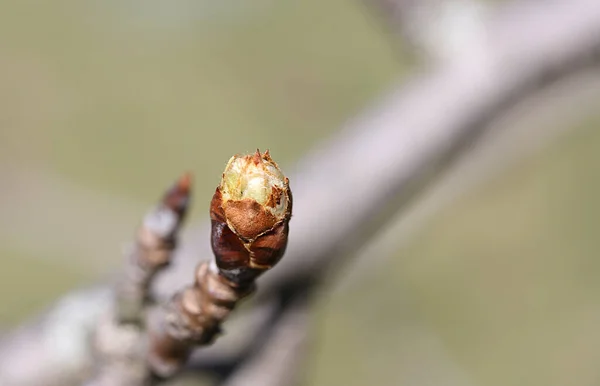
<point>117,341</point>
<point>279,358</point>
<point>439,29</point>
<point>152,251</point>
<point>352,183</point>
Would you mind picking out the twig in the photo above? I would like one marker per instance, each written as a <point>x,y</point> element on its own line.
<point>250,212</point>
<point>192,318</point>
<point>155,242</point>
<point>119,338</point>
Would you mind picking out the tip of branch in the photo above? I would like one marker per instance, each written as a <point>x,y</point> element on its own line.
<point>185,182</point>
<point>177,198</point>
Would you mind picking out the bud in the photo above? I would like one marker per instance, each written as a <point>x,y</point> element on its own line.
<point>250,212</point>
<point>177,198</point>
<point>162,224</point>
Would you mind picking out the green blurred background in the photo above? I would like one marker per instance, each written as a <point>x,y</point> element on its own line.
<point>103,104</point>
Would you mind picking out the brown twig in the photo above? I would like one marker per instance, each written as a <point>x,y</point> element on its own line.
<point>155,242</point>
<point>250,212</point>
<point>119,340</point>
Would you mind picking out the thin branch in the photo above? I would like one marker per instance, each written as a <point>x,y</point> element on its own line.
<point>152,251</point>
<point>118,353</point>
<point>118,340</point>
<point>191,319</point>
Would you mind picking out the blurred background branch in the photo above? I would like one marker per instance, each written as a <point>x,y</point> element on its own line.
<point>376,165</point>
<point>281,355</point>
<point>434,30</point>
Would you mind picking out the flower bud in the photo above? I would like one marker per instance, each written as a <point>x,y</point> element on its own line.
<point>250,212</point>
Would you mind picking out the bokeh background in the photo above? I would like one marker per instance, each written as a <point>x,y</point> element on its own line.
<point>103,104</point>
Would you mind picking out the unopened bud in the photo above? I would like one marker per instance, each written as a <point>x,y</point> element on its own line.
<point>164,221</point>
<point>250,212</point>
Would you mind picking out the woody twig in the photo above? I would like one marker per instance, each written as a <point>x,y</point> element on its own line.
<point>250,212</point>
<point>119,338</point>
<point>155,241</point>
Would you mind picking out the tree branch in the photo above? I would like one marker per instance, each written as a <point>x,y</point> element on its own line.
<point>435,29</point>
<point>278,360</point>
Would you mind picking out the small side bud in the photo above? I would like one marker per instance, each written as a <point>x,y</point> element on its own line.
<point>165,220</point>
<point>178,196</point>
<point>250,212</point>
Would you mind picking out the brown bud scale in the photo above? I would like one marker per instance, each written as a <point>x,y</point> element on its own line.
<point>250,212</point>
